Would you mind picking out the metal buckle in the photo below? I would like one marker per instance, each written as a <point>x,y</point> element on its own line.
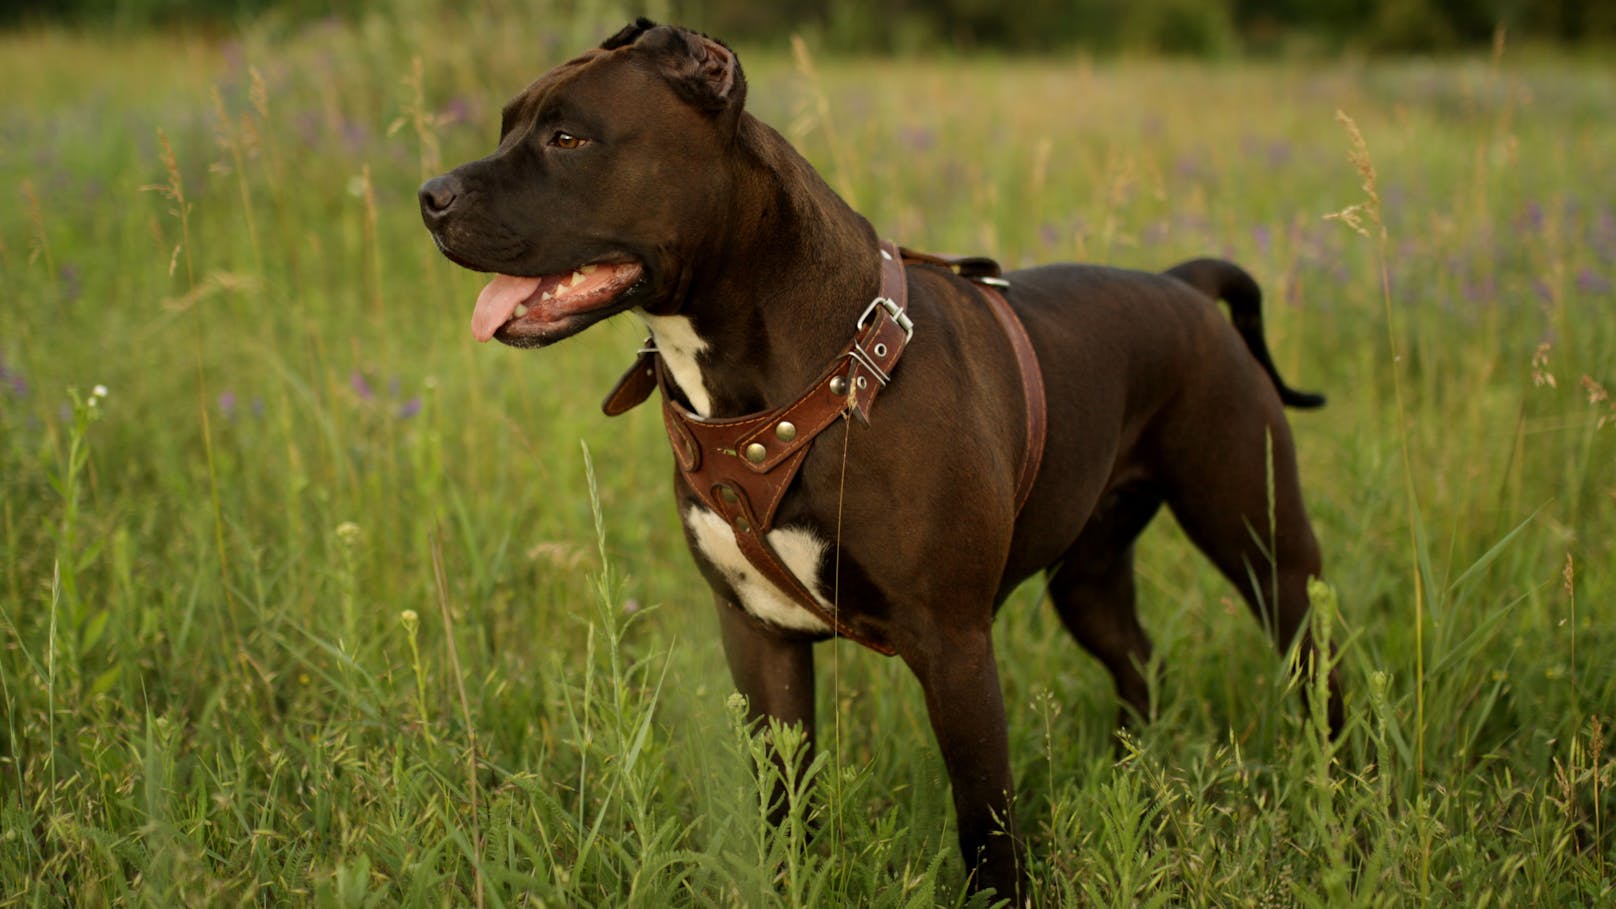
<point>898,316</point>
<point>1000,283</point>
<point>862,357</point>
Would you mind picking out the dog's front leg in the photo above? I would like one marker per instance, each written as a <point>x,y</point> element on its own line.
<point>961,680</point>
<point>776,675</point>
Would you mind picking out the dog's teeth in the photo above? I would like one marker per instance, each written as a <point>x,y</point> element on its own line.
<point>577,277</point>
<point>521,310</point>
<point>589,269</point>
<point>547,295</point>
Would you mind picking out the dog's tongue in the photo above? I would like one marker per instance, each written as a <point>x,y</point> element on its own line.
<point>498,301</point>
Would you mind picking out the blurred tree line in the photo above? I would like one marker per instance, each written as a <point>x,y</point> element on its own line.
<point>1200,27</point>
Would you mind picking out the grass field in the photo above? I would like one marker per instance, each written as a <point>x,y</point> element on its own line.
<point>319,601</point>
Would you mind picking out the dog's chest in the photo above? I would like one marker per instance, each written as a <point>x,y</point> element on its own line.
<point>680,348</point>
<point>801,551</point>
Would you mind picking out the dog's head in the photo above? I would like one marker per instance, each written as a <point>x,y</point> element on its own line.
<point>611,170</point>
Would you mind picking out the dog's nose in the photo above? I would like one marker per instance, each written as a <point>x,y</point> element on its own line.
<point>438,196</point>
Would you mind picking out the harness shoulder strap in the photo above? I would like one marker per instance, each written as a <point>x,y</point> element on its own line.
<point>985,274</point>
<point>1032,390</point>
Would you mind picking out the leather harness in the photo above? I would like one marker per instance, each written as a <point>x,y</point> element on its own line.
<point>741,467</point>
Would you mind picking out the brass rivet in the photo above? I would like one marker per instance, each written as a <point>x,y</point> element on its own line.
<point>742,525</point>
<point>756,453</point>
<point>728,495</point>
<point>838,386</point>
<point>880,350</point>
<point>785,431</point>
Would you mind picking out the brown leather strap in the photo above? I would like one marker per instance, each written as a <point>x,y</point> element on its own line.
<point>746,453</point>
<point>635,386</point>
<point>972,268</point>
<point>984,273</point>
<point>1032,390</point>
<point>866,364</point>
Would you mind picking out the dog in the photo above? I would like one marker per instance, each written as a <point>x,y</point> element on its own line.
<point>1028,422</point>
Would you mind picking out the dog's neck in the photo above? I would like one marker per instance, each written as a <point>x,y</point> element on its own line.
<point>751,337</point>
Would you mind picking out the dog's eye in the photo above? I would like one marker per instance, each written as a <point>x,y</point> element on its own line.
<point>566,140</point>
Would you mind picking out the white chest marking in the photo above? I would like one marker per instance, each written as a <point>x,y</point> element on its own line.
<point>679,345</point>
<point>798,548</point>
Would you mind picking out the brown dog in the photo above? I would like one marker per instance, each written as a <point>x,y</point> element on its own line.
<point>631,178</point>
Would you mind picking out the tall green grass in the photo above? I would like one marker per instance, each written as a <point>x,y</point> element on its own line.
<point>323,602</point>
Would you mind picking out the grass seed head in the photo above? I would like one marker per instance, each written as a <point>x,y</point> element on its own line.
<point>1540,367</point>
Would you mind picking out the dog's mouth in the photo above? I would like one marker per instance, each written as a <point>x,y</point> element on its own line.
<point>529,311</point>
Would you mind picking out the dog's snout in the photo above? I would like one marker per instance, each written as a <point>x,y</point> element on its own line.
<point>438,196</point>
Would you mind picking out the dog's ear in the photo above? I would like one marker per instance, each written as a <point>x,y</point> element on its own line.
<point>629,34</point>
<point>717,70</point>
<point>703,70</point>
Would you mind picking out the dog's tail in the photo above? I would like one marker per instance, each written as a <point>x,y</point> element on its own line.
<point>1229,282</point>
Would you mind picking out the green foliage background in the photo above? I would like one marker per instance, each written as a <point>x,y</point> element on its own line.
<point>314,605</point>
<point>1199,27</point>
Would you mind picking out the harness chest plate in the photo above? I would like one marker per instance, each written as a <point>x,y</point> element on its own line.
<point>741,467</point>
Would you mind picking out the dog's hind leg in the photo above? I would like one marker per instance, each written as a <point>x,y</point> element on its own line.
<point>1242,506</point>
<point>1092,588</point>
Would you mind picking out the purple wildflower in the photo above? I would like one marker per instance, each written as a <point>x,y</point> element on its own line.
<point>1605,235</point>
<point>1263,237</point>
<point>307,126</point>
<point>361,386</point>
<point>1592,282</point>
<point>355,136</point>
<point>72,282</point>
<point>917,138</point>
<point>18,385</point>
<point>1530,219</point>
<point>458,110</point>
<point>227,404</point>
<point>409,408</point>
<point>1484,290</point>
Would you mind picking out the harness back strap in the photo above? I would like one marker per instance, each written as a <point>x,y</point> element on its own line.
<point>984,273</point>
